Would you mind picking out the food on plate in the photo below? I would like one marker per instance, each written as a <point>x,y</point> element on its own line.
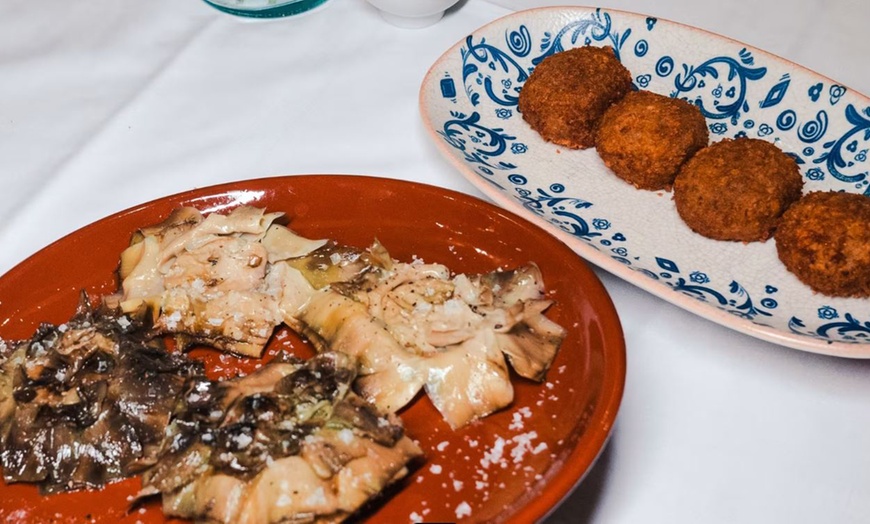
<point>205,279</point>
<point>415,325</point>
<point>85,403</point>
<point>409,324</point>
<point>737,189</point>
<point>645,137</point>
<point>288,443</point>
<point>567,93</point>
<point>101,398</point>
<point>824,239</point>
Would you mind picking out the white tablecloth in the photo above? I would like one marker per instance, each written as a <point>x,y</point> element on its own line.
<point>109,103</point>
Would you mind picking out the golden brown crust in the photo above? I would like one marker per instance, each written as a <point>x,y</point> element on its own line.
<point>645,137</point>
<point>824,239</point>
<point>567,93</point>
<point>737,189</point>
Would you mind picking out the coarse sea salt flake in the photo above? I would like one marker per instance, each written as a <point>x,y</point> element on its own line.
<point>494,454</point>
<point>435,468</point>
<point>539,448</point>
<point>346,435</point>
<point>518,416</point>
<point>198,285</point>
<point>317,498</point>
<point>463,510</point>
<point>172,320</point>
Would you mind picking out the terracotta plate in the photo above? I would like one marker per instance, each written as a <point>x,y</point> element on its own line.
<point>514,466</point>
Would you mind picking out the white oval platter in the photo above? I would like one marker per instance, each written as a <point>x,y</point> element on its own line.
<point>468,101</point>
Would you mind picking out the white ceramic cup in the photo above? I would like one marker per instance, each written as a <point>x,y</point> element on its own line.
<point>412,14</point>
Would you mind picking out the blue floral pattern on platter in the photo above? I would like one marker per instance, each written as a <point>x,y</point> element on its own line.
<point>469,100</point>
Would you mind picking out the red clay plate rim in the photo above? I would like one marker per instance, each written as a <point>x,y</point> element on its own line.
<point>723,318</point>
<point>597,433</point>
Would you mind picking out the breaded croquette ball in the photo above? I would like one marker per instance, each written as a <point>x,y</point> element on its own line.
<point>645,137</point>
<point>824,239</point>
<point>566,94</point>
<point>737,189</point>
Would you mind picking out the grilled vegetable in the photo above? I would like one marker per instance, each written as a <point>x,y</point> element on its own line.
<point>85,403</point>
<point>289,443</point>
<point>204,279</point>
<point>416,325</point>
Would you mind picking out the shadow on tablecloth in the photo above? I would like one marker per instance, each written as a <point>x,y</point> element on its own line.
<point>581,505</point>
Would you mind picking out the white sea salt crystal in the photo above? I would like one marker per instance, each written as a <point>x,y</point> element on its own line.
<point>172,320</point>
<point>198,285</point>
<point>317,498</point>
<point>494,454</point>
<point>523,445</point>
<point>346,435</point>
<point>463,510</point>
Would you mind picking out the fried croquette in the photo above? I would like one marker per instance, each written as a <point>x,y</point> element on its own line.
<point>645,137</point>
<point>824,240</point>
<point>566,94</point>
<point>737,189</point>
